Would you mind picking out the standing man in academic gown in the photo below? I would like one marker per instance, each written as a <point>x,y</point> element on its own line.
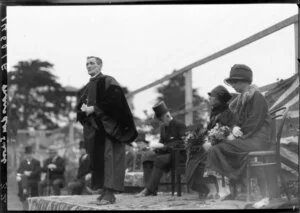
<point>107,126</point>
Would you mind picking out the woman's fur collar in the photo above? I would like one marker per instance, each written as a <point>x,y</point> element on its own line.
<point>240,101</point>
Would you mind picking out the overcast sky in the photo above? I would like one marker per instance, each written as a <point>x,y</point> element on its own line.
<point>140,44</point>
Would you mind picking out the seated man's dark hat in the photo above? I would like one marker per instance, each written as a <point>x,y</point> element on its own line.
<point>160,109</point>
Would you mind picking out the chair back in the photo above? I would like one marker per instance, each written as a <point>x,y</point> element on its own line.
<point>277,130</point>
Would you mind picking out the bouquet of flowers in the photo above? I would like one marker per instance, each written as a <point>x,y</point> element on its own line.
<point>235,133</point>
<point>219,133</point>
<point>194,140</point>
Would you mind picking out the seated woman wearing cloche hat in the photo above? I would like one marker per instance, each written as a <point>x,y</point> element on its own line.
<point>220,114</point>
<point>250,108</point>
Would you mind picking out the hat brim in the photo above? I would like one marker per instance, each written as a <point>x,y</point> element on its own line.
<point>158,116</point>
<point>230,80</point>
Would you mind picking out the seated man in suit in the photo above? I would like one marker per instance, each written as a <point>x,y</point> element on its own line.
<point>83,174</point>
<point>54,167</point>
<point>172,132</point>
<point>28,175</point>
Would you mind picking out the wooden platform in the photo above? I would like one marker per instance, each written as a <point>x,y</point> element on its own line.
<point>129,202</point>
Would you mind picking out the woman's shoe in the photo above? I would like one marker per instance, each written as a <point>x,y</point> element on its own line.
<point>233,190</point>
<point>202,196</point>
<point>145,192</point>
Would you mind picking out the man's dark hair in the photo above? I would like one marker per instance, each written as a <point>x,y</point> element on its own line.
<point>98,60</point>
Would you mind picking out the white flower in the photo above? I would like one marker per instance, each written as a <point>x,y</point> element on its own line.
<point>206,146</point>
<point>236,131</point>
<point>230,137</point>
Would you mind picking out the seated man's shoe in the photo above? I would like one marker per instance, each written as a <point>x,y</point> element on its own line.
<point>153,193</point>
<point>145,193</point>
<point>102,193</point>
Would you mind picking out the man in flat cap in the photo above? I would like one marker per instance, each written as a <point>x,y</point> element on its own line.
<point>107,126</point>
<point>28,175</point>
<point>83,174</point>
<point>54,167</point>
<point>172,132</point>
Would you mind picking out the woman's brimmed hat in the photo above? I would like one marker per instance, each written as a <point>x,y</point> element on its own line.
<point>160,109</point>
<point>239,72</point>
<point>221,93</point>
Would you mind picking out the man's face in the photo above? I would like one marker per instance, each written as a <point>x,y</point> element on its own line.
<point>214,101</point>
<point>28,156</point>
<point>92,67</point>
<point>166,118</point>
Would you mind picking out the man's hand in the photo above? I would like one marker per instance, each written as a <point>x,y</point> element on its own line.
<point>89,110</point>
<point>88,176</point>
<point>83,107</point>
<point>52,166</point>
<point>27,173</point>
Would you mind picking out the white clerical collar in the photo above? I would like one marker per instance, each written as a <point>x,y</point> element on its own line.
<point>95,76</point>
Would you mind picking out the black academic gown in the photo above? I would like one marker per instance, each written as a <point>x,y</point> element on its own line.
<point>106,131</point>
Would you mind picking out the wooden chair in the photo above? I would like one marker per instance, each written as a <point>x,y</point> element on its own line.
<point>178,168</point>
<point>269,158</point>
